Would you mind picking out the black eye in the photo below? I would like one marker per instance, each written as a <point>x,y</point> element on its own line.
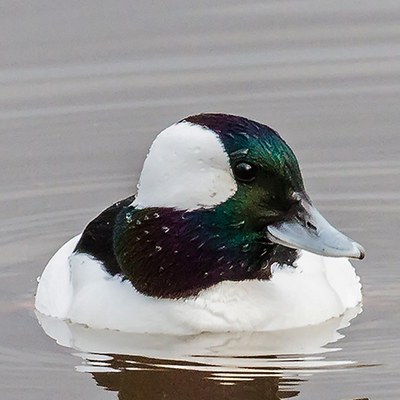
<point>245,172</point>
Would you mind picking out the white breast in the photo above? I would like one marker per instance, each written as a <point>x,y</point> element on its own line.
<point>77,288</point>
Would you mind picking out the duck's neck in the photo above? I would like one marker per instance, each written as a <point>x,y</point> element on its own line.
<point>172,254</point>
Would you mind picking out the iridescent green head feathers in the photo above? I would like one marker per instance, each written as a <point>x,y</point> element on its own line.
<point>220,197</point>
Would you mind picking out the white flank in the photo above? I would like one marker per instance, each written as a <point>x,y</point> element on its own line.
<point>187,167</point>
<point>54,293</point>
<point>76,287</point>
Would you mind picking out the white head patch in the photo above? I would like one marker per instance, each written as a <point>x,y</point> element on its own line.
<point>186,168</point>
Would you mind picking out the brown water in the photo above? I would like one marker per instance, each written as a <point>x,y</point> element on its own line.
<point>85,87</point>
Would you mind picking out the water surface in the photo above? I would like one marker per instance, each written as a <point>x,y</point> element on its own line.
<point>85,87</point>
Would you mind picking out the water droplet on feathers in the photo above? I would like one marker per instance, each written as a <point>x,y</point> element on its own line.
<point>246,248</point>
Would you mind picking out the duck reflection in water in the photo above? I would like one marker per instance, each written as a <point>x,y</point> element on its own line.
<point>245,365</point>
<point>164,382</point>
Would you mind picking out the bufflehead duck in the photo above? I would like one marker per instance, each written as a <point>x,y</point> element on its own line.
<point>221,236</point>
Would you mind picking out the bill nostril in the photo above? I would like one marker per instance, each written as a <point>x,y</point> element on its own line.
<point>311,226</point>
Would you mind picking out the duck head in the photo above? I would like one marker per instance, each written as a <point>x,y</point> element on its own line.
<point>220,197</point>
